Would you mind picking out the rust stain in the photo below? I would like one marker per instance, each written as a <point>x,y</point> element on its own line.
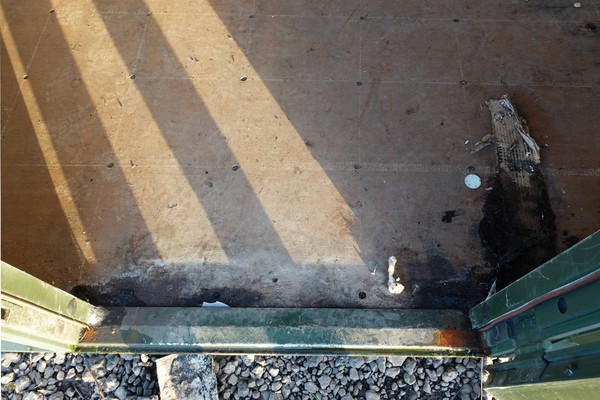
<point>455,338</point>
<point>88,334</point>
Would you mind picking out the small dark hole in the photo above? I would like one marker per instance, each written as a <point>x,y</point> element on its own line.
<point>110,165</point>
<point>275,280</point>
<point>359,83</point>
<point>132,76</point>
<point>25,76</point>
<point>235,167</point>
<point>244,78</point>
<point>456,20</point>
<point>362,295</point>
<point>5,313</point>
<point>562,305</point>
<point>357,166</point>
<point>216,295</point>
<point>591,27</point>
<point>463,82</point>
<point>251,16</point>
<point>206,172</point>
<point>362,18</point>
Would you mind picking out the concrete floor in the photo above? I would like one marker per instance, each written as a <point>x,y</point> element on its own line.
<point>139,167</point>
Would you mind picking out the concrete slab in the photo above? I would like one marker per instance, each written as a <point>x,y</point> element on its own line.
<point>186,376</point>
<point>140,168</point>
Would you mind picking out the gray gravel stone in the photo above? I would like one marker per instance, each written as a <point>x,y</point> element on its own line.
<point>57,396</point>
<point>33,396</point>
<point>356,362</point>
<point>311,387</point>
<point>229,368</point>
<point>121,393</point>
<point>427,388</point>
<point>372,395</point>
<point>71,373</point>
<point>324,381</point>
<point>432,375</point>
<point>392,372</point>
<point>22,383</point>
<point>6,378</point>
<point>450,375</point>
<point>409,365</point>
<point>233,380</point>
<point>110,384</point>
<point>409,379</point>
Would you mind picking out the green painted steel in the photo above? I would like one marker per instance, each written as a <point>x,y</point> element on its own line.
<point>548,326</point>
<point>582,389</point>
<point>283,331</point>
<point>567,268</point>
<point>36,328</point>
<point>27,288</point>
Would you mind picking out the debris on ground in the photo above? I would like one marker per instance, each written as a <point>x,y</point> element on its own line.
<point>518,228</point>
<point>214,304</point>
<point>394,286</point>
<point>473,181</point>
<point>484,142</point>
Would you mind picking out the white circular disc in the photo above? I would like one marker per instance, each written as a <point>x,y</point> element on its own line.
<point>472,181</point>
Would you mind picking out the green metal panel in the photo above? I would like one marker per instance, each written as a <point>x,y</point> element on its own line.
<point>583,389</point>
<point>38,316</point>
<point>36,328</point>
<point>27,288</point>
<point>548,326</point>
<point>570,268</point>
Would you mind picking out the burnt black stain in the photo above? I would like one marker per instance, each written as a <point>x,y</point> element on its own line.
<point>571,241</point>
<point>132,292</point>
<point>518,229</point>
<point>591,27</point>
<point>448,215</point>
<point>434,282</point>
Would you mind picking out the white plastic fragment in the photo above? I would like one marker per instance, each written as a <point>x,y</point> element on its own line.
<point>215,304</point>
<point>393,286</point>
<point>577,5</point>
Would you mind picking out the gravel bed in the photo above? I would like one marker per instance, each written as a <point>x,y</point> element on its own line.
<point>37,376</point>
<point>133,377</point>
<point>346,378</point>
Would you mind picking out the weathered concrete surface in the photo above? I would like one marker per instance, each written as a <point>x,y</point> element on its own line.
<point>349,134</point>
<point>186,376</point>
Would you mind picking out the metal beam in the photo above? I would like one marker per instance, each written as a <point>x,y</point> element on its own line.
<point>38,316</point>
<point>29,289</point>
<point>573,268</point>
<point>283,331</point>
<point>548,326</point>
